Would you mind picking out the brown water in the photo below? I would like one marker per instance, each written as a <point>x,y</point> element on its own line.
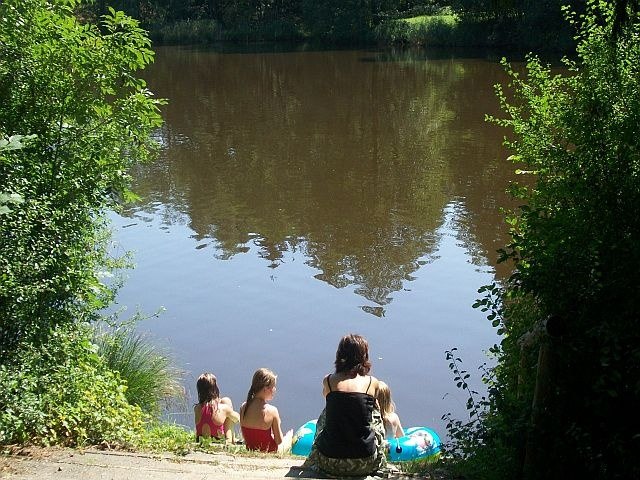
<point>303,195</point>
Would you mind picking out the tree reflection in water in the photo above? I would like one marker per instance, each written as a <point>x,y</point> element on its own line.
<point>350,158</point>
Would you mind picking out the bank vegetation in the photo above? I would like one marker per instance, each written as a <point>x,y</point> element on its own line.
<point>513,24</point>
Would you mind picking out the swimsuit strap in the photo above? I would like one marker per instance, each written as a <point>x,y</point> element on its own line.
<point>370,379</point>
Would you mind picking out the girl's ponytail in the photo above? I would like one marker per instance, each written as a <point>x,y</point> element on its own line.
<point>250,396</point>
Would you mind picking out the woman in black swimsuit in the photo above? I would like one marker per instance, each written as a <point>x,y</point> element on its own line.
<point>350,431</point>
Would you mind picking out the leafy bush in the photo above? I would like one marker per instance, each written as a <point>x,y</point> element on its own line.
<point>490,443</point>
<point>569,363</point>
<point>73,119</point>
<point>167,437</point>
<point>436,30</point>
<point>62,392</point>
<point>72,88</point>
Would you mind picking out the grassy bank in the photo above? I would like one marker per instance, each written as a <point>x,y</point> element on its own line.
<point>450,30</point>
<point>206,31</point>
<point>439,30</point>
<point>427,30</point>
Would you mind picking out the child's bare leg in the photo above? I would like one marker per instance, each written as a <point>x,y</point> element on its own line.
<point>228,430</point>
<point>287,439</point>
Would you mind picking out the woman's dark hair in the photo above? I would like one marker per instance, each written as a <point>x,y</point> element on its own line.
<point>353,355</point>
<point>207,386</point>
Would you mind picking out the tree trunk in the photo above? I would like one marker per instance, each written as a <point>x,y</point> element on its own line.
<point>538,463</point>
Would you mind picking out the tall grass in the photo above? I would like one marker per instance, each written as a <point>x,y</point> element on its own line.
<point>423,466</point>
<point>187,32</point>
<point>207,31</point>
<point>275,31</point>
<point>149,371</point>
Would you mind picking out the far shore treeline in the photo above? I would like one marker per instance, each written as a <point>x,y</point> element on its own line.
<point>76,116</point>
<point>513,24</point>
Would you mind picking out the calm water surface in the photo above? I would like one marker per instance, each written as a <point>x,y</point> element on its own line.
<point>303,195</point>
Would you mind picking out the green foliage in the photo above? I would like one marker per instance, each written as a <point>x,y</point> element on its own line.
<point>573,295</point>
<point>167,437</point>
<point>72,88</point>
<point>279,30</point>
<point>73,118</point>
<point>147,370</point>
<point>514,23</point>
<point>489,444</point>
<point>525,24</point>
<point>423,467</point>
<point>171,21</point>
<point>62,392</point>
<point>338,20</point>
<point>433,30</point>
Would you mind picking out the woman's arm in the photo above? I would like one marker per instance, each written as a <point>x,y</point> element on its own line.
<point>231,414</point>
<point>325,385</point>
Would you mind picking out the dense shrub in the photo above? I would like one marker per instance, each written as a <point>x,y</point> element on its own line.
<point>436,30</point>
<point>62,392</point>
<point>188,32</point>
<point>73,118</point>
<point>568,374</point>
<point>72,88</point>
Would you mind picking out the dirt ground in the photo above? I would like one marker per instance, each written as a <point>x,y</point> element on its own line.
<point>92,464</point>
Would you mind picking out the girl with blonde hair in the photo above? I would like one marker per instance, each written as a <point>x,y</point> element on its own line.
<point>392,425</point>
<point>260,422</point>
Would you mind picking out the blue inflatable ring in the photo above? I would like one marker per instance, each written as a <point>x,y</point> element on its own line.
<point>417,443</point>
<point>303,439</point>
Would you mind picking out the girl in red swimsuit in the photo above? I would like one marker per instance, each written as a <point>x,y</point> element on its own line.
<point>260,422</point>
<point>214,416</point>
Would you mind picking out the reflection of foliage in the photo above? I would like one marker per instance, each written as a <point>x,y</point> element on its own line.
<point>461,224</point>
<point>360,188</point>
<point>306,161</point>
<point>377,311</point>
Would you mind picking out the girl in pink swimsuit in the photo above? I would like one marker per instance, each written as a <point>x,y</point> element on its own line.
<point>260,422</point>
<point>214,416</point>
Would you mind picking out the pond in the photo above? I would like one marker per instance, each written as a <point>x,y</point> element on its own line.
<point>303,195</point>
